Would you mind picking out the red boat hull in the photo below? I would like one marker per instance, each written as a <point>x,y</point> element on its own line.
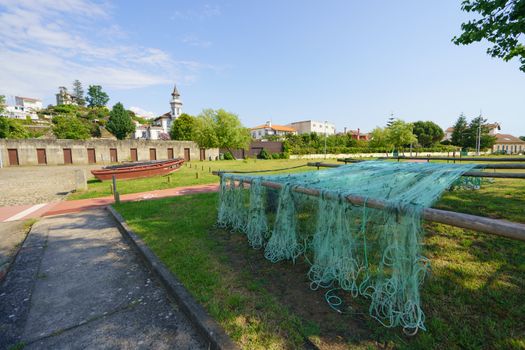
<point>134,171</point>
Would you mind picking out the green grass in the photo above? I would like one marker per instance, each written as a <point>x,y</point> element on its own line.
<point>473,298</point>
<point>186,176</point>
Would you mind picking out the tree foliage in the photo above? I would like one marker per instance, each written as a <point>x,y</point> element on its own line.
<point>428,133</point>
<point>522,138</point>
<point>502,23</point>
<point>119,122</point>
<point>459,135</point>
<point>96,97</point>
<point>12,129</point>
<point>78,92</point>
<point>2,104</point>
<point>70,127</point>
<point>219,128</point>
<point>183,128</point>
<point>465,134</point>
<point>379,138</point>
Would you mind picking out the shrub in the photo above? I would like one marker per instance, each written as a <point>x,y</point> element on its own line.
<point>264,154</point>
<point>228,156</point>
<point>276,156</point>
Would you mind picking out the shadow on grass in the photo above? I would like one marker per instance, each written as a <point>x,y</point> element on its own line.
<point>473,298</point>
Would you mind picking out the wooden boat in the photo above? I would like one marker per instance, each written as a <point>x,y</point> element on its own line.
<point>138,169</point>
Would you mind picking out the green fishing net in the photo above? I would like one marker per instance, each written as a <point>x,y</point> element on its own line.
<point>365,251</point>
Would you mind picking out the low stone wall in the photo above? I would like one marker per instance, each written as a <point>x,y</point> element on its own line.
<point>101,151</point>
<point>378,155</point>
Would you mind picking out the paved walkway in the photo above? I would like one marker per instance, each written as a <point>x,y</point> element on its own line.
<point>76,284</point>
<point>22,212</point>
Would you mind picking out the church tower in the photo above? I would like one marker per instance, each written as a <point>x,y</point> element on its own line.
<point>176,104</point>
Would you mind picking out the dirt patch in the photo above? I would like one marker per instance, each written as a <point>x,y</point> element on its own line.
<point>289,283</point>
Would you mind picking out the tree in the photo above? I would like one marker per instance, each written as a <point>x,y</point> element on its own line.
<point>120,123</point>
<point>400,134</point>
<point>2,104</point>
<point>96,97</point>
<point>522,138</point>
<point>479,125</point>
<point>219,128</point>
<point>78,92</point>
<point>379,138</point>
<point>12,129</point>
<point>428,133</point>
<point>231,134</point>
<point>459,135</point>
<point>501,23</point>
<point>183,128</point>
<point>70,127</point>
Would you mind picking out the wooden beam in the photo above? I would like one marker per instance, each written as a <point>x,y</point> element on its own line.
<point>502,228</point>
<point>468,173</point>
<point>463,159</point>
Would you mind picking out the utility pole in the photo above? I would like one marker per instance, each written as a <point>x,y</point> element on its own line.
<point>478,139</point>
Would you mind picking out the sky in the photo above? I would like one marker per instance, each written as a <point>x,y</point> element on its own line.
<point>352,63</point>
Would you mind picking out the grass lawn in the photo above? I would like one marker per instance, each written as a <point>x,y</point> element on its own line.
<point>186,176</point>
<point>473,298</point>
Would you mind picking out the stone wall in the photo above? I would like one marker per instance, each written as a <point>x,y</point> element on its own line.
<point>55,152</point>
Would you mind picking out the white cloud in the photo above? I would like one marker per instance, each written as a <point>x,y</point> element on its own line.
<point>142,112</point>
<point>193,40</point>
<point>48,43</point>
<point>203,12</point>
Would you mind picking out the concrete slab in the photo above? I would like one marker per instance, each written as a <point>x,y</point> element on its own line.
<point>91,291</point>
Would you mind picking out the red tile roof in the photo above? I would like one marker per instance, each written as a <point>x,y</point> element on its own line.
<point>275,127</point>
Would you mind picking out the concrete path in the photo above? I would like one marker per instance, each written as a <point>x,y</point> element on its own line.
<point>14,213</point>
<point>76,284</point>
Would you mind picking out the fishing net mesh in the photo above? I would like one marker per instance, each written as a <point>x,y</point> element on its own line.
<point>368,252</point>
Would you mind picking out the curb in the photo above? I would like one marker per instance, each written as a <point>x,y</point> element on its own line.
<point>205,324</point>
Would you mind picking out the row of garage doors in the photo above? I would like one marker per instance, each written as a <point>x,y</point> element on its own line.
<point>92,156</point>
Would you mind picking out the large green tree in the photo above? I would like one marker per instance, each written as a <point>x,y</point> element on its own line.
<point>183,128</point>
<point>12,129</point>
<point>401,134</point>
<point>96,97</point>
<point>459,134</point>
<point>119,122</point>
<point>522,138</point>
<point>219,128</point>
<point>70,127</point>
<point>428,133</point>
<point>78,92</point>
<point>502,23</point>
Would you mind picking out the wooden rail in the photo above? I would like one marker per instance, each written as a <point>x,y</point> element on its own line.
<point>468,173</point>
<point>497,227</point>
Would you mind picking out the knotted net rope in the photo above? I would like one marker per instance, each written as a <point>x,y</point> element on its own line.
<point>368,252</point>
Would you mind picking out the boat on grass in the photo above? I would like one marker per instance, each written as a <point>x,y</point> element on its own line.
<point>138,169</point>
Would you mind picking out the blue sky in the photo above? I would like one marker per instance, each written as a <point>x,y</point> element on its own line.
<point>351,63</point>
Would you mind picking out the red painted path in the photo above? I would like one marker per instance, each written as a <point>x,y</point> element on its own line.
<point>23,212</point>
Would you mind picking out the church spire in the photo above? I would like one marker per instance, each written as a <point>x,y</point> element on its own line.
<point>175,92</point>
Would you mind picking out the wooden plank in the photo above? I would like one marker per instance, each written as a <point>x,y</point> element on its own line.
<point>502,228</point>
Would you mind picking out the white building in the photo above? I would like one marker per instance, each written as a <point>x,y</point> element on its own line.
<point>65,98</point>
<point>165,120</point>
<point>147,132</point>
<point>22,107</point>
<point>309,126</point>
<point>269,129</point>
